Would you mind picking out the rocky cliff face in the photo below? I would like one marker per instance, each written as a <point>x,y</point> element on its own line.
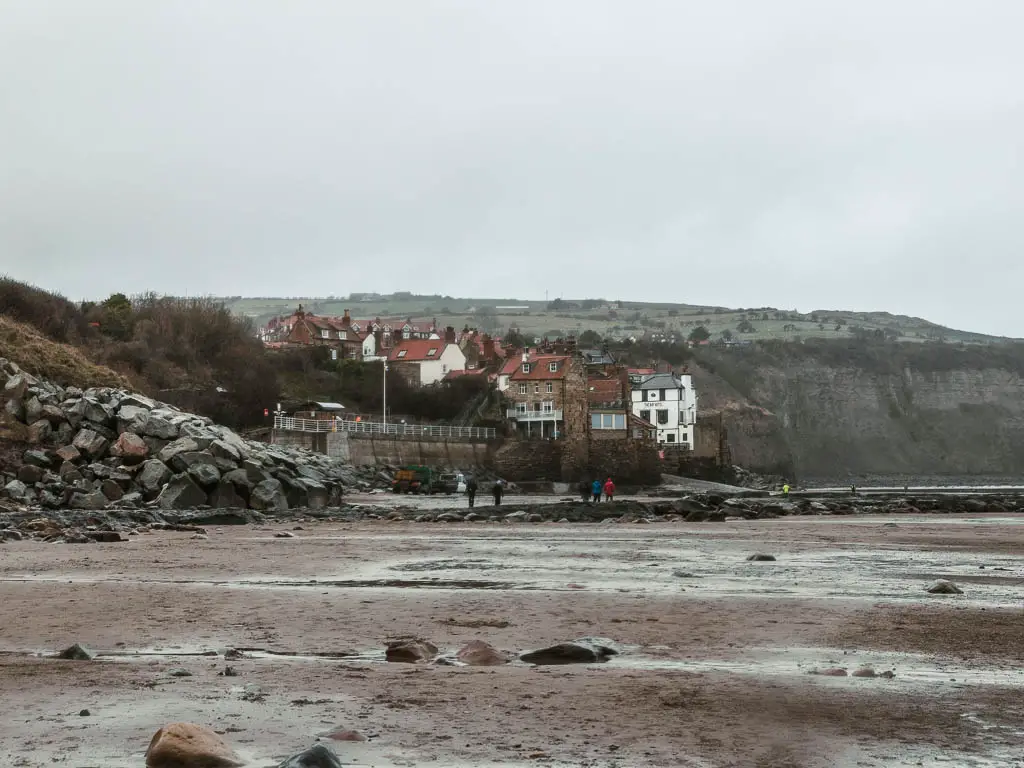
<point>900,416</point>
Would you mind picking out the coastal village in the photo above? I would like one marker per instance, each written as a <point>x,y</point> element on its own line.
<point>549,389</point>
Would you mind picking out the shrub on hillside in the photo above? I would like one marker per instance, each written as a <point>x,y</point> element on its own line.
<point>49,313</point>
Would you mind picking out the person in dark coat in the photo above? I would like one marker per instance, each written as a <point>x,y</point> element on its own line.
<point>497,490</point>
<point>471,490</point>
<point>584,489</point>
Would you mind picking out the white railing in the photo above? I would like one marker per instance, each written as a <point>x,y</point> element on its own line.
<point>512,413</point>
<point>378,428</point>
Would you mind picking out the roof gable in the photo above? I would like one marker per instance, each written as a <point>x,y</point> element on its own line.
<point>418,350</point>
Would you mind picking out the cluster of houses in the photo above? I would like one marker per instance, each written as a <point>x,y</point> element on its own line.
<point>540,383</point>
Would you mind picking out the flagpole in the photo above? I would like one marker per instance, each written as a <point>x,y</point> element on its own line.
<point>385,395</point>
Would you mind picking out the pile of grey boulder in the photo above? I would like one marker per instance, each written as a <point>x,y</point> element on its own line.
<point>102,448</point>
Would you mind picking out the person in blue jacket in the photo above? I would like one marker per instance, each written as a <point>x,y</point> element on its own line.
<point>595,489</point>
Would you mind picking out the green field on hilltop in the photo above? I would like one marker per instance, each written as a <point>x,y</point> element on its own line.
<point>618,319</point>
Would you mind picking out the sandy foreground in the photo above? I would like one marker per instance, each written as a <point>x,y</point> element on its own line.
<point>715,669</point>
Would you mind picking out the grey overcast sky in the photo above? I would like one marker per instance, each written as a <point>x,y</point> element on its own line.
<point>794,153</point>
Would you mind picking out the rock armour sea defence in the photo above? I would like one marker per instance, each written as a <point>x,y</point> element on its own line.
<point>105,447</point>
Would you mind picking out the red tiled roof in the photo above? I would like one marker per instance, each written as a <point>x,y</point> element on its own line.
<point>511,366</point>
<point>600,391</point>
<point>452,375</point>
<point>540,368</point>
<point>417,350</point>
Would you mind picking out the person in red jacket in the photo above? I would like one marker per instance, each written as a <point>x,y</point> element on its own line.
<point>609,489</point>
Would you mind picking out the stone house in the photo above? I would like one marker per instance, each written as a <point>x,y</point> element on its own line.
<point>540,388</point>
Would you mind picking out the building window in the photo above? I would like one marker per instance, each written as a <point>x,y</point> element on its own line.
<point>520,407</point>
<point>522,389</point>
<point>334,354</point>
<point>552,367</point>
<point>663,417</point>
<point>549,407</point>
<point>645,415</point>
<point>324,334</point>
<point>652,394</point>
<point>549,387</point>
<point>526,367</point>
<point>536,389</point>
<point>608,421</point>
<point>670,438</point>
<point>401,353</point>
<point>444,369</point>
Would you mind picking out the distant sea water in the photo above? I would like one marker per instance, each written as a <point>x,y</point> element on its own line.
<point>913,481</point>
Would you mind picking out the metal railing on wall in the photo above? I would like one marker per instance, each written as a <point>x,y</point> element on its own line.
<point>290,424</point>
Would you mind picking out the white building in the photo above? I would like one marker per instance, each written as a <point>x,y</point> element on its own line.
<point>669,402</point>
<point>427,361</point>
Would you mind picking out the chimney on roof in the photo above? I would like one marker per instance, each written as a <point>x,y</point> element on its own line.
<point>449,335</point>
<point>346,319</point>
<point>299,312</point>
<point>488,347</point>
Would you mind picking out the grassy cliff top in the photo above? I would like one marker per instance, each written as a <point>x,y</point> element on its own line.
<point>618,319</point>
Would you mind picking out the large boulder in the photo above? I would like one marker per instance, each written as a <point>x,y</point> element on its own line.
<point>15,409</point>
<point>69,473</point>
<point>179,446</point>
<point>130,448</point>
<point>317,756</point>
<point>131,418</point>
<point>480,654</point>
<point>226,496</point>
<point>268,496</point>
<point>52,413</point>
<point>304,492</point>
<point>152,477</point>
<point>410,651</point>
<point>76,652</point>
<point>37,459</point>
<point>187,745</point>
<point>90,443</point>
<point>181,493</point>
<point>944,587</point>
<point>68,453</point>
<point>40,431</point>
<point>30,474</point>
<point>206,476</point>
<point>181,462</point>
<point>94,500</point>
<point>576,652</point>
<point>16,490</point>
<point>156,425</point>
<point>97,412</point>
<point>112,489</point>
<point>240,479</point>
<point>33,410</point>
<point>223,450</point>
<point>16,386</point>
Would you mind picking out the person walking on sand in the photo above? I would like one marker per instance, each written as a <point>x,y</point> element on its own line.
<point>595,490</point>
<point>497,491</point>
<point>609,489</point>
<point>471,490</point>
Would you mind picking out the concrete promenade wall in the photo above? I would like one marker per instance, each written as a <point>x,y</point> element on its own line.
<point>368,450</point>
